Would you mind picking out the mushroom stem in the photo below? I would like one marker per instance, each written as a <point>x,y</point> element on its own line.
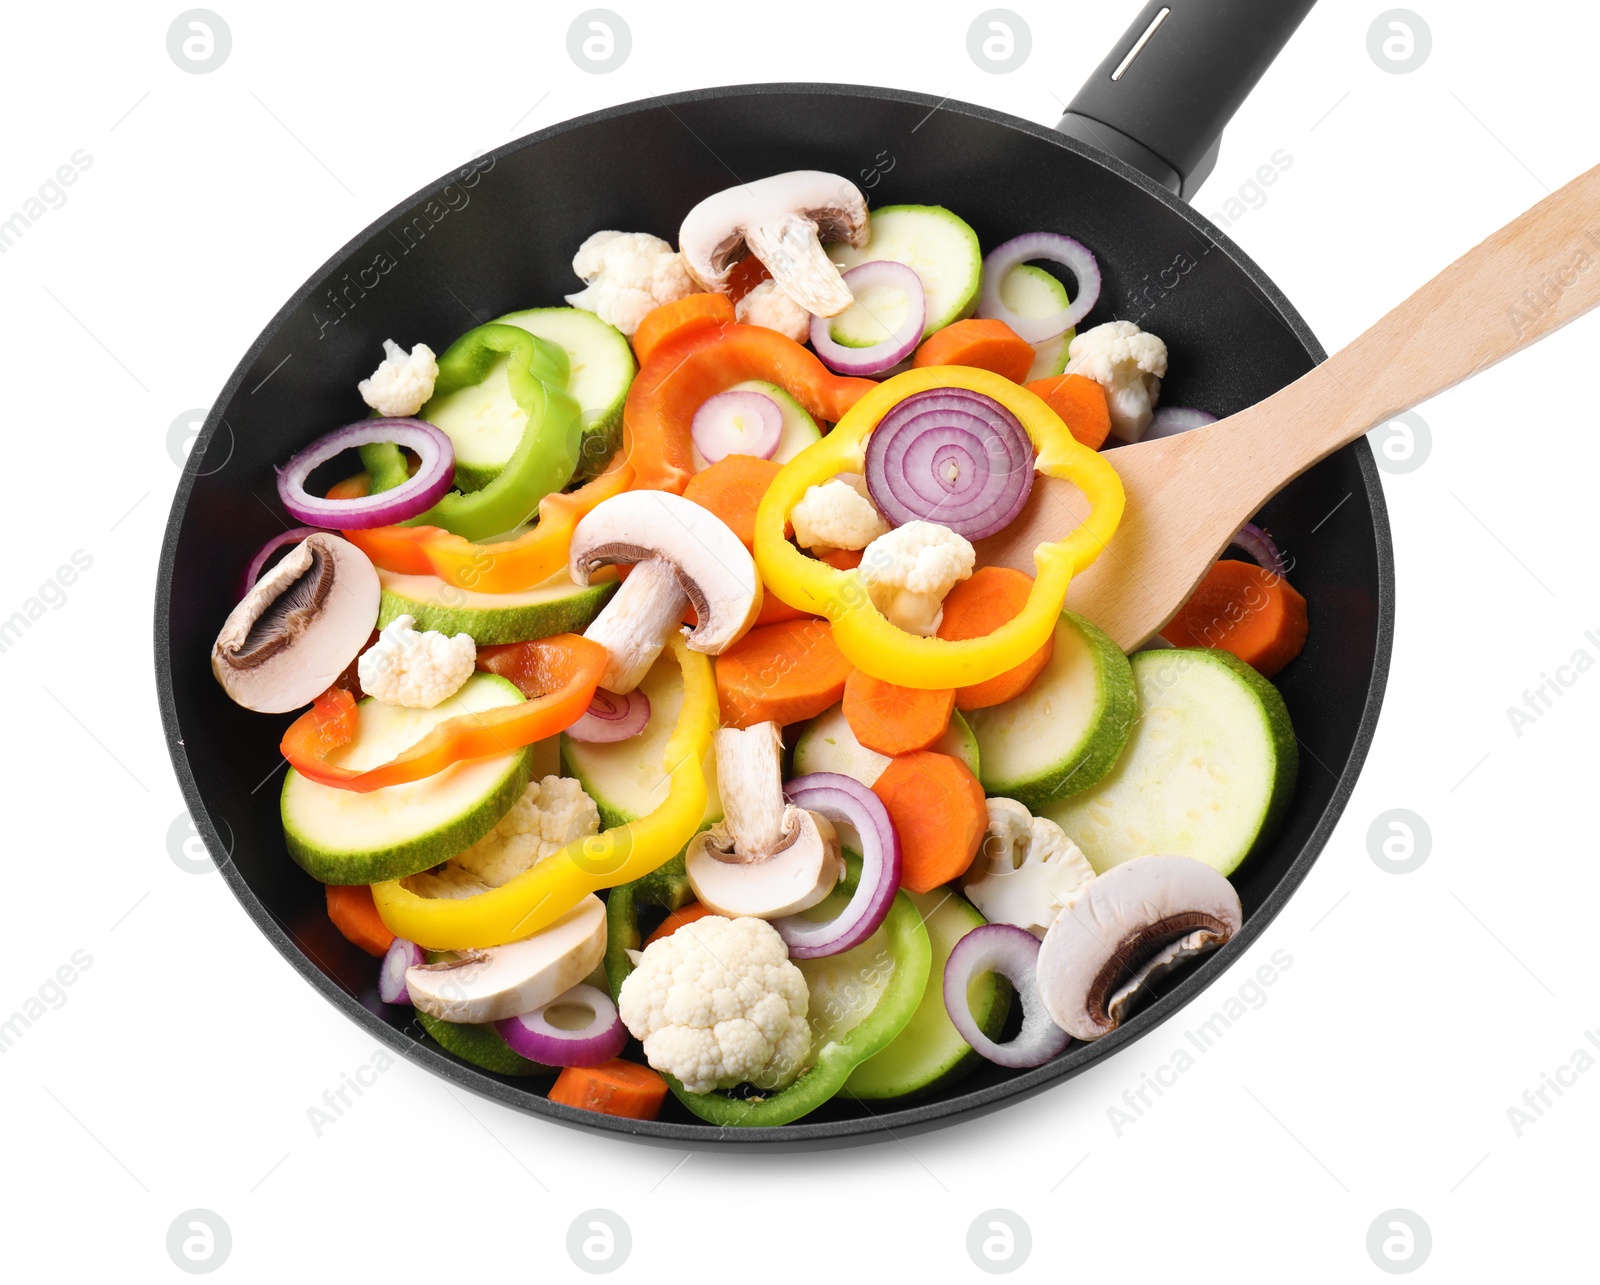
<point>636,624</point>
<point>750,781</point>
<point>789,248</point>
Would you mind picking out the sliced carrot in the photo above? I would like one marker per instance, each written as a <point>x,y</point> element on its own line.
<point>678,918</point>
<point>678,318</point>
<point>979,605</point>
<point>616,1087</point>
<point>938,811</point>
<point>891,719</point>
<point>1247,610</point>
<point>781,674</point>
<point>732,489</point>
<point>841,559</point>
<point>978,341</point>
<point>1080,402</point>
<point>355,914</point>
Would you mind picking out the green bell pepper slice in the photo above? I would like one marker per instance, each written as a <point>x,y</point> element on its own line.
<point>547,455</point>
<point>843,1037</point>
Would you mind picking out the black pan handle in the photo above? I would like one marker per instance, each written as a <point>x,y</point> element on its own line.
<point>1161,98</point>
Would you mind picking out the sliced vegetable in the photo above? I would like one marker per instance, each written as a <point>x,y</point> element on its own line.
<point>611,717</point>
<point>864,635</point>
<point>681,373</point>
<point>555,607</point>
<point>1135,922</point>
<point>828,745</point>
<point>673,320</point>
<point>563,671</point>
<point>940,246</point>
<point>252,572</point>
<point>843,801</point>
<point>682,917</point>
<point>859,1002</point>
<point>353,914</point>
<point>732,489</point>
<point>600,369</point>
<point>1052,248</point>
<point>1031,292</point>
<point>617,1088</point>
<point>781,673</point>
<point>1064,733</point>
<point>480,1045</point>
<point>1244,609</point>
<point>766,858</point>
<point>1014,955</point>
<point>937,808</point>
<point>580,1027</point>
<point>410,495</point>
<point>744,423</point>
<point>666,888</point>
<point>401,955</point>
<point>1207,772</point>
<point>1081,404</point>
<point>930,1053</point>
<point>881,343</point>
<point>541,895</point>
<point>890,719</point>
<point>983,342</point>
<point>1027,870</point>
<point>951,456</point>
<point>979,605</point>
<point>1259,544</point>
<point>342,836</point>
<point>298,628</point>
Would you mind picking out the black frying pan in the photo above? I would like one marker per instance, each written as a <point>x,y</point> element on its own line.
<point>500,234</point>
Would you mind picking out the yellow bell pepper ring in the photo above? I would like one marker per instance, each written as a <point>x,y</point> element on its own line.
<point>537,897</point>
<point>863,634</point>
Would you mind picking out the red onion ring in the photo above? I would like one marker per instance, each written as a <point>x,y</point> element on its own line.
<point>887,352</point>
<point>401,955</point>
<point>538,1039</point>
<point>844,800</point>
<point>1169,421</point>
<point>612,717</point>
<point>717,431</point>
<point>417,494</point>
<point>1014,954</point>
<point>1055,248</point>
<point>252,573</point>
<point>1260,545</point>
<point>950,456</point>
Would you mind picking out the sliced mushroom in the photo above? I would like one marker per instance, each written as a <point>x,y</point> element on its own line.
<point>783,221</point>
<point>1130,925</point>
<point>766,858</point>
<point>504,981</point>
<point>682,555</point>
<point>299,626</point>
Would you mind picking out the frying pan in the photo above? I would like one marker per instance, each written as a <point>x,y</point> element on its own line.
<point>499,235</point>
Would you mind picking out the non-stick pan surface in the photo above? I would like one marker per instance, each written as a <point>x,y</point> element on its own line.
<point>500,235</point>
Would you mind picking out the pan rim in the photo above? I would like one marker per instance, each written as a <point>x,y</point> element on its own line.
<point>917,1117</point>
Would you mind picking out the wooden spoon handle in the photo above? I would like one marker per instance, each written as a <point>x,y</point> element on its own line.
<point>1528,279</point>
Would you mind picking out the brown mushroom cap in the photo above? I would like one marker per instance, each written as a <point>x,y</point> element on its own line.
<point>1131,924</point>
<point>299,627</point>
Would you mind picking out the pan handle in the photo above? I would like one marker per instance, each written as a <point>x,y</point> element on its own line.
<point>1161,98</point>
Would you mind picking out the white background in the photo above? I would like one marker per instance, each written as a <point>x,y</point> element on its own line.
<point>1379,1070</point>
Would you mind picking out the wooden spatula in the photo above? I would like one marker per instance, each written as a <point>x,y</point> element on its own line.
<point>1188,495</point>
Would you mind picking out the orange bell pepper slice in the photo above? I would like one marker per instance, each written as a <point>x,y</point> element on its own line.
<point>506,567</point>
<point>686,368</point>
<point>558,675</point>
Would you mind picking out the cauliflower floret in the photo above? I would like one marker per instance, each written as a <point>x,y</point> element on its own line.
<point>415,669</point>
<point>1129,364</point>
<point>626,274</point>
<point>403,381</point>
<point>909,571</point>
<point>718,1004</point>
<point>1027,869</point>
<point>547,816</point>
<point>770,306</point>
<point>836,515</point>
